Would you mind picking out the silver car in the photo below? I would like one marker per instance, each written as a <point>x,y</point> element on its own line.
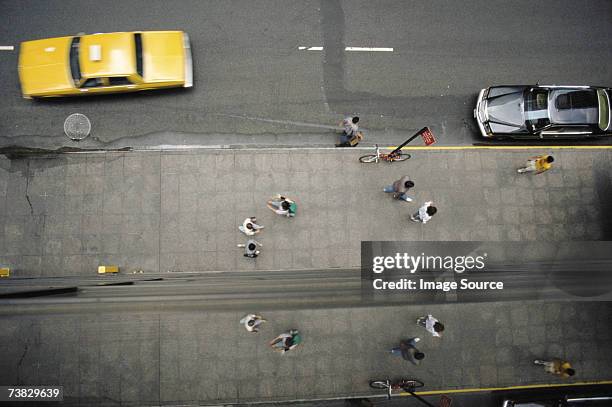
<point>544,112</point>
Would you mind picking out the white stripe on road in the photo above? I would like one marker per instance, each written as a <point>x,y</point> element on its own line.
<point>358,49</point>
<point>366,49</point>
<point>6,48</point>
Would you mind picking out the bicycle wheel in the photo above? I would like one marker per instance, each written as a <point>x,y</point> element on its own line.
<point>371,158</point>
<point>401,157</point>
<point>410,384</point>
<point>379,384</point>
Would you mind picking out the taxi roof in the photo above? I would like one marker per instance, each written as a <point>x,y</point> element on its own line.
<point>112,54</point>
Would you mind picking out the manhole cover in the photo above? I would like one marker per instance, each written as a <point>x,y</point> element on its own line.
<point>77,126</point>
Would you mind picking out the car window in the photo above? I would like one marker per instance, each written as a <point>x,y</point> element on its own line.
<point>92,83</point>
<point>75,68</point>
<point>604,109</point>
<point>118,80</point>
<point>576,100</point>
<point>138,42</point>
<point>536,109</point>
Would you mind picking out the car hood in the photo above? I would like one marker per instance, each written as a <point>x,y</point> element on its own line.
<point>164,56</point>
<point>43,65</point>
<point>506,110</point>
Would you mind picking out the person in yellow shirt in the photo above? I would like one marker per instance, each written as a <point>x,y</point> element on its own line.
<point>558,367</point>
<point>538,164</point>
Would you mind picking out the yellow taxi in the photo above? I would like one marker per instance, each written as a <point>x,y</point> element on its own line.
<point>105,63</point>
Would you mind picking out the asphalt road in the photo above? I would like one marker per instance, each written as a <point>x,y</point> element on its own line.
<point>310,289</point>
<point>253,85</point>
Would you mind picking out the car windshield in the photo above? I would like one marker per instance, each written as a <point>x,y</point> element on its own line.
<point>536,109</point>
<point>75,68</point>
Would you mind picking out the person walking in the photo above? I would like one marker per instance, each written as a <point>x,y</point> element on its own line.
<point>400,187</point>
<point>250,227</point>
<point>252,322</point>
<point>538,164</point>
<point>558,367</point>
<point>286,341</point>
<point>250,248</point>
<point>408,351</point>
<point>424,213</point>
<point>431,324</point>
<point>282,205</point>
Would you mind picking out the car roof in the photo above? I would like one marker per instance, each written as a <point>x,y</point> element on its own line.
<point>111,54</point>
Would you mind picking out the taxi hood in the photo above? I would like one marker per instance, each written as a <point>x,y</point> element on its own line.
<point>44,65</point>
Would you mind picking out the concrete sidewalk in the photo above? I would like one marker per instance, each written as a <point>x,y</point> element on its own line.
<point>180,211</point>
<point>208,358</point>
<point>160,211</point>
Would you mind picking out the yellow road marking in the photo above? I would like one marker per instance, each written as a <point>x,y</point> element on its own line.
<point>522,387</point>
<point>505,148</point>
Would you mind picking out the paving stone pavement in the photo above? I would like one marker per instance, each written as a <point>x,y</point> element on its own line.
<point>180,211</point>
<point>204,357</point>
<point>159,211</point>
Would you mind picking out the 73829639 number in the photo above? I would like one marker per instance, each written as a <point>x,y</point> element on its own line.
<point>33,393</point>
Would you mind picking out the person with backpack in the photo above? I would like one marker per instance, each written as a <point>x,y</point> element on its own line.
<point>282,206</point>
<point>286,341</point>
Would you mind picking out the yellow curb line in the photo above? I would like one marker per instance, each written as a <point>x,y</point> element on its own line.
<point>505,148</point>
<point>523,387</point>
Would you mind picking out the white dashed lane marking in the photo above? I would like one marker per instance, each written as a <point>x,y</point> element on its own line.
<point>354,49</point>
<point>367,49</point>
<point>6,48</point>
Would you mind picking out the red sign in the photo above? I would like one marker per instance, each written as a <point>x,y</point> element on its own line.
<point>428,137</point>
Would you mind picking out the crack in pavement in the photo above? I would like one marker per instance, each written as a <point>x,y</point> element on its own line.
<point>25,351</point>
<point>27,175</point>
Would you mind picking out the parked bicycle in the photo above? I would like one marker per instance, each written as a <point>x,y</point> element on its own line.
<point>400,384</point>
<point>397,154</point>
<point>377,156</point>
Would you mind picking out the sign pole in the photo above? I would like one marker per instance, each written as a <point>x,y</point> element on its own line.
<point>418,133</point>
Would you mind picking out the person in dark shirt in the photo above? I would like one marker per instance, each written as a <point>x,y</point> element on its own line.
<point>408,351</point>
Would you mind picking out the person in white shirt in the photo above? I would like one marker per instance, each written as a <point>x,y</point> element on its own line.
<point>252,322</point>
<point>431,324</point>
<point>250,227</point>
<point>425,213</point>
<point>350,128</point>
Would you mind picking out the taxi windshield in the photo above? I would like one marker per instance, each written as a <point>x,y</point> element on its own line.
<point>75,68</point>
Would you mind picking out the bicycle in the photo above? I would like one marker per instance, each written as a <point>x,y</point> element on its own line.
<point>392,156</point>
<point>403,384</point>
